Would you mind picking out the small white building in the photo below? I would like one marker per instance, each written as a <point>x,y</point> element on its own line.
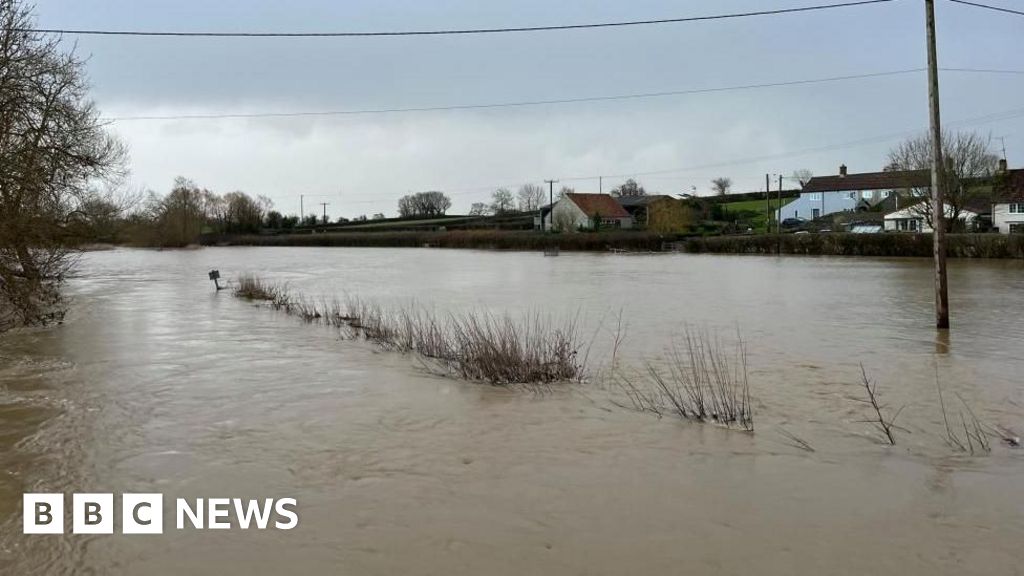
<point>1008,211</point>
<point>913,218</point>
<point>587,212</point>
<point>1008,218</point>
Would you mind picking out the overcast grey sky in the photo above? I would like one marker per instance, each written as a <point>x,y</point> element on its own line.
<point>362,164</point>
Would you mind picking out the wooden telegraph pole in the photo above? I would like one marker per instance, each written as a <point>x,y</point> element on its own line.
<point>938,181</point>
<point>767,204</point>
<point>778,209</point>
<point>551,206</point>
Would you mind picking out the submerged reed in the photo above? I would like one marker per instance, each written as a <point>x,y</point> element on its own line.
<point>702,382</point>
<point>475,346</point>
<point>252,287</point>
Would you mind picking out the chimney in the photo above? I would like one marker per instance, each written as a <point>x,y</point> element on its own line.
<point>1003,168</point>
<point>842,171</point>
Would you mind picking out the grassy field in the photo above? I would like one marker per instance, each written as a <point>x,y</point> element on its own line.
<point>756,208</point>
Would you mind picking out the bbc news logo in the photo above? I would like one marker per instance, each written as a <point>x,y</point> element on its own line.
<point>144,513</point>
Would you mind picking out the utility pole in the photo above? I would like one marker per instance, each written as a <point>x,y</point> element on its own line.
<point>302,213</point>
<point>551,206</point>
<point>767,203</point>
<point>938,184</point>
<point>324,204</point>
<point>600,181</point>
<point>778,208</point>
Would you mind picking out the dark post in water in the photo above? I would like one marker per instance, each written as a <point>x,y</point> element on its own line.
<point>938,201</point>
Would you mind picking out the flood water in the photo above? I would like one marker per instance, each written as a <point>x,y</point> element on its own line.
<point>158,384</point>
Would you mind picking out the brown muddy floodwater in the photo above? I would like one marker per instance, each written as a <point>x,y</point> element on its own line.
<point>157,384</point>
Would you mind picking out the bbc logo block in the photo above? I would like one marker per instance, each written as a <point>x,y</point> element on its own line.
<point>43,513</point>
<point>96,513</point>
<point>93,513</point>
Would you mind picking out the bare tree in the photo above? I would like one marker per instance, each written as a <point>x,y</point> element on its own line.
<point>629,188</point>
<point>969,159</point>
<point>424,204</point>
<point>530,197</point>
<point>803,176</point>
<point>721,185</point>
<point>53,151</point>
<point>479,209</point>
<point>502,201</point>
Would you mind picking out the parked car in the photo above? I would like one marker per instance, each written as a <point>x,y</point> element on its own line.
<point>793,222</point>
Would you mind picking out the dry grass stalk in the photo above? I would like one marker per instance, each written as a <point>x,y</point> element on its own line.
<point>795,440</point>
<point>885,425</point>
<point>702,382</point>
<point>474,346</point>
<point>254,288</point>
<point>975,438</point>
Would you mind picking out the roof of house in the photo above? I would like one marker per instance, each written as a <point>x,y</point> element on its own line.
<point>870,181</point>
<point>1011,188</point>
<point>631,201</point>
<point>598,204</point>
<point>909,211</point>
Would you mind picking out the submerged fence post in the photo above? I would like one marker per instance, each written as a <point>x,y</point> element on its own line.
<point>215,276</point>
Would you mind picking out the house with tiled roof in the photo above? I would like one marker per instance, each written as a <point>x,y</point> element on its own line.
<point>845,192</point>
<point>915,216</point>
<point>1008,208</point>
<point>576,211</point>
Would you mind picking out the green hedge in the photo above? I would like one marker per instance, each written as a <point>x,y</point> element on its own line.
<point>916,245</point>
<point>480,239</point>
<point>920,245</point>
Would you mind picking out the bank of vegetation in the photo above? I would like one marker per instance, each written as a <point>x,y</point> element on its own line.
<point>844,244</point>
<point>702,381</point>
<point>825,244</point>
<point>476,239</point>
<point>500,350</point>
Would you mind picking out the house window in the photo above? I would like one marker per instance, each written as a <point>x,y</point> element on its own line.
<point>853,195</point>
<point>815,213</point>
<point>814,196</point>
<point>1016,208</point>
<point>906,225</point>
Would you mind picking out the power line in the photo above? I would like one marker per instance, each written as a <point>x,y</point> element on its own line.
<point>1004,115</point>
<point>87,32</point>
<point>518,104</point>
<point>984,119</point>
<point>320,113</point>
<point>988,7</point>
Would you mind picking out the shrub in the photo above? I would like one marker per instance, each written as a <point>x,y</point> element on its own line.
<point>480,346</point>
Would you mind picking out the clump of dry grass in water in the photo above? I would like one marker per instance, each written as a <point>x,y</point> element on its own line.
<point>475,346</point>
<point>255,288</point>
<point>975,437</point>
<point>703,382</point>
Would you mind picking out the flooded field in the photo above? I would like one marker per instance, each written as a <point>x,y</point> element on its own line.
<point>156,383</point>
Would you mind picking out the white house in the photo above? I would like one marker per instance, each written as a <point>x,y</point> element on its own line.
<point>824,195</point>
<point>912,218</point>
<point>587,211</point>
<point>1008,211</point>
